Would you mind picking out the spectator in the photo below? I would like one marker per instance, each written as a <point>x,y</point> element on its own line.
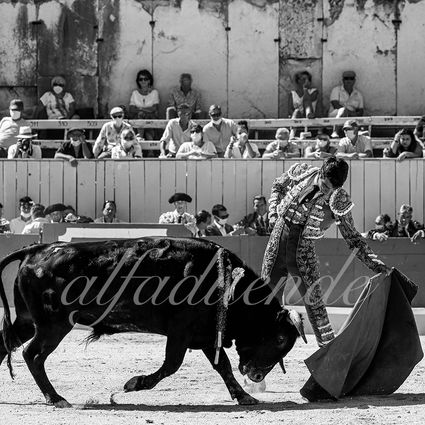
<point>71,216</point>
<point>127,146</point>
<point>38,219</point>
<point>176,132</point>
<point>144,102</point>
<point>346,101</point>
<point>109,211</point>
<point>282,147</point>
<point>405,226</point>
<point>10,126</point>
<point>405,145</point>
<point>17,224</point>
<point>76,148</point>
<point>354,145</point>
<point>110,135</point>
<point>321,149</point>
<point>184,95</point>
<point>198,148</point>
<point>24,147</point>
<point>240,146</point>
<point>383,228</point>
<point>219,130</point>
<point>55,213</point>
<point>257,223</point>
<point>303,100</point>
<point>4,224</point>
<point>203,220</point>
<point>179,215</point>
<point>419,129</point>
<point>219,226</point>
<point>58,103</point>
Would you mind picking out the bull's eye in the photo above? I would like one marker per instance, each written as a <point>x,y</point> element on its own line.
<point>280,339</point>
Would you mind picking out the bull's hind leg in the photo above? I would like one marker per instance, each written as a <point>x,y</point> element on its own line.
<point>45,341</point>
<point>224,368</point>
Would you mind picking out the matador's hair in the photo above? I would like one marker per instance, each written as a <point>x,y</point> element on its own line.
<point>336,170</point>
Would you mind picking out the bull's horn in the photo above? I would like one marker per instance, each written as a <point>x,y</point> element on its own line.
<point>295,318</point>
<point>282,366</point>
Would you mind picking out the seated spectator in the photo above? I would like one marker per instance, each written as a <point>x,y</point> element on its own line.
<point>58,103</point>
<point>109,211</point>
<point>110,135</point>
<point>4,224</point>
<point>197,148</point>
<point>71,216</point>
<point>303,100</point>
<point>257,223</point>
<point>240,146</point>
<point>219,226</point>
<point>282,147</point>
<point>176,132</point>
<point>179,215</point>
<point>321,149</point>
<point>184,94</point>
<point>38,219</point>
<point>202,220</point>
<point>405,226</point>
<point>10,126</point>
<point>405,145</point>
<point>55,213</point>
<point>144,102</point>
<point>219,130</point>
<point>24,147</point>
<point>354,145</point>
<point>346,101</point>
<point>127,148</point>
<point>383,228</point>
<point>76,148</point>
<point>419,129</point>
<point>17,224</point>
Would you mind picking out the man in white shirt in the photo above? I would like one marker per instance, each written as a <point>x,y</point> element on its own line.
<point>354,145</point>
<point>17,224</point>
<point>197,148</point>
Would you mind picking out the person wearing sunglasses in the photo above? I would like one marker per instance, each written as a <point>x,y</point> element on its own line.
<point>346,100</point>
<point>197,148</point>
<point>321,149</point>
<point>76,148</point>
<point>127,146</point>
<point>219,226</point>
<point>240,146</point>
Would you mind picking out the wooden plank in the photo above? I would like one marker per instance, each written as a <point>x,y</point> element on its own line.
<point>203,185</point>
<point>86,189</point>
<point>167,184</point>
<point>268,175</point>
<point>372,192</point>
<point>21,179</point>
<point>357,193</point>
<point>417,188</point>
<point>100,187</point>
<point>69,184</point>
<point>191,183</point>
<point>253,182</point>
<point>229,188</point>
<point>109,180</point>
<point>56,182</point>
<point>122,189</point>
<point>34,180</point>
<point>45,183</point>
<point>180,183</point>
<point>388,186</point>
<point>402,187</point>
<point>217,183</point>
<point>240,210</point>
<point>137,191</point>
<point>151,210</point>
<point>9,192</point>
<point>2,183</point>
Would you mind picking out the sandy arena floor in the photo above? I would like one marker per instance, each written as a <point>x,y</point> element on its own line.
<point>87,377</point>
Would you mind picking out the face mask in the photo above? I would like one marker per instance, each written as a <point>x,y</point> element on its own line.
<point>25,215</point>
<point>322,143</point>
<point>75,142</point>
<point>196,137</point>
<point>58,89</point>
<point>351,134</point>
<point>118,121</point>
<point>127,146</point>
<point>217,121</point>
<point>221,221</point>
<point>15,115</point>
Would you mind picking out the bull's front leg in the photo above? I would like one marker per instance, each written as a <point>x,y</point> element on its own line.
<point>224,368</point>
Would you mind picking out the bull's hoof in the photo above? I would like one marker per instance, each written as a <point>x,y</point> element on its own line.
<point>247,400</point>
<point>138,383</point>
<point>62,404</point>
<point>57,401</point>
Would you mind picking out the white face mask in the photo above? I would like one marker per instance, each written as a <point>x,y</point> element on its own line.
<point>15,115</point>
<point>351,134</point>
<point>217,122</point>
<point>25,215</point>
<point>76,142</point>
<point>118,121</point>
<point>322,143</point>
<point>221,221</point>
<point>196,137</point>
<point>58,89</point>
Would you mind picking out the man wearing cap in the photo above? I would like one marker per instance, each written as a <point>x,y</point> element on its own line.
<point>282,147</point>
<point>24,147</point>
<point>176,132</point>
<point>179,215</point>
<point>354,145</point>
<point>110,135</point>
<point>346,101</point>
<point>219,130</point>
<point>76,148</point>
<point>9,126</point>
<point>17,224</point>
<point>184,94</point>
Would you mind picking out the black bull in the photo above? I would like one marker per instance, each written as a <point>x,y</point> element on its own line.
<point>158,285</point>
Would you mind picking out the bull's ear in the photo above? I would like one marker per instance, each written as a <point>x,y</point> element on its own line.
<point>295,319</point>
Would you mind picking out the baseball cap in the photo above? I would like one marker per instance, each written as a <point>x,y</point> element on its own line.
<point>348,74</point>
<point>350,124</point>
<point>116,110</point>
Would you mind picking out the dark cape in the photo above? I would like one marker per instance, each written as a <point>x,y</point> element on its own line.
<point>378,345</point>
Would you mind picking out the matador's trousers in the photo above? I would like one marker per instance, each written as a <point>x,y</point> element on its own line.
<point>297,256</point>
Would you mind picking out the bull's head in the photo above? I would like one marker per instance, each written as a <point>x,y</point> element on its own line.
<point>258,359</point>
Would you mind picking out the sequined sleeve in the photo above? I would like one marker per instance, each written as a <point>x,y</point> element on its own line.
<point>280,187</point>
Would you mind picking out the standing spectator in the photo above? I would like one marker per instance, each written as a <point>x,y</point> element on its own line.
<point>176,132</point>
<point>184,94</point>
<point>76,148</point>
<point>4,224</point>
<point>203,220</point>
<point>144,102</point>
<point>354,145</point>
<point>127,146</point>
<point>197,148</point>
<point>24,147</point>
<point>17,224</point>
<point>219,130</point>
<point>303,100</point>
<point>282,147</point>
<point>346,101</point>
<point>110,135</point>
<point>55,213</point>
<point>257,223</point>
<point>405,145</point>
<point>321,149</point>
<point>419,129</point>
<point>240,146</point>
<point>179,215</point>
<point>383,229</point>
<point>38,219</point>
<point>109,211</point>
<point>219,226</point>
<point>10,126</point>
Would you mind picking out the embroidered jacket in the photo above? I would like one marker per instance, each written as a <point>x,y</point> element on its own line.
<point>284,200</point>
